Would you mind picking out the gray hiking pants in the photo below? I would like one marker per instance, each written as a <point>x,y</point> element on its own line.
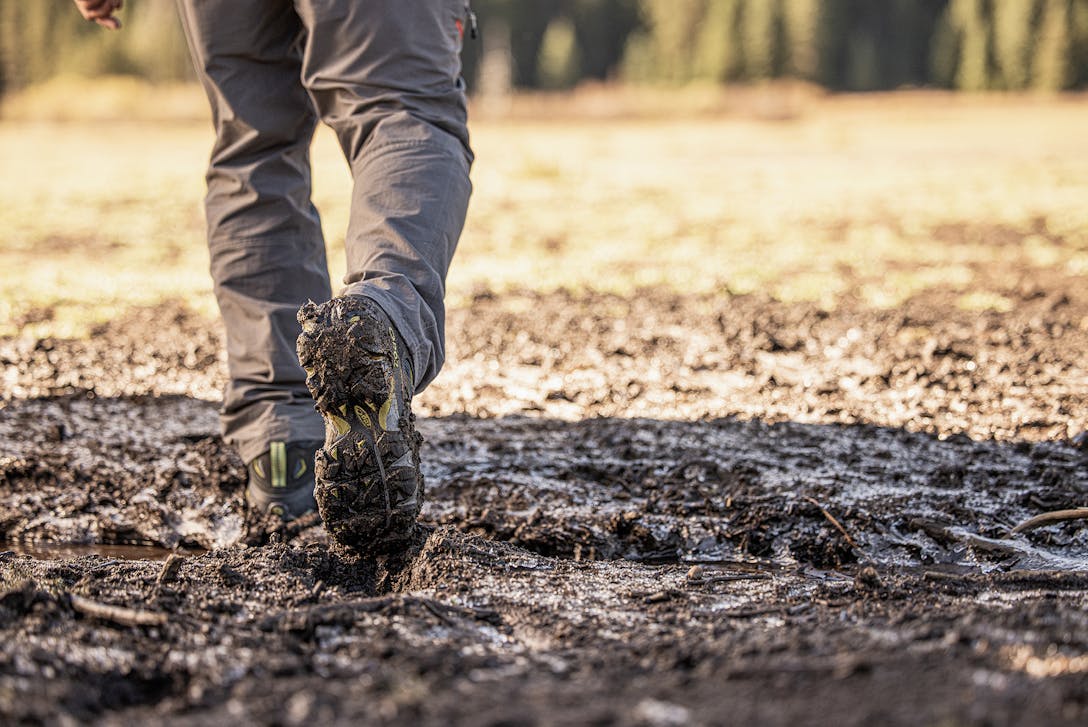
<point>385,75</point>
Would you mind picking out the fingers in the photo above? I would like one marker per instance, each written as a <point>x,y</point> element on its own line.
<point>101,12</point>
<point>93,9</point>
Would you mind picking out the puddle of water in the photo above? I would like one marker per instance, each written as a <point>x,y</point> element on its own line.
<point>66,551</point>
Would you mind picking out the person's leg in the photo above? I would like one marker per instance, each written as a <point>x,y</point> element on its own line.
<point>264,234</point>
<point>385,75</point>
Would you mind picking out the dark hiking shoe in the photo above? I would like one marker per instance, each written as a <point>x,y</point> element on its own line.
<point>281,481</point>
<point>368,487</point>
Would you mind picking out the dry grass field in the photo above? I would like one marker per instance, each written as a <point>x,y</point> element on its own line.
<point>876,199</point>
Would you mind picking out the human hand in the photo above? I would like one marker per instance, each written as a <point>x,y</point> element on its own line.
<point>101,12</point>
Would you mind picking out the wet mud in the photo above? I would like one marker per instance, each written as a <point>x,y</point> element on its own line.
<point>653,509</point>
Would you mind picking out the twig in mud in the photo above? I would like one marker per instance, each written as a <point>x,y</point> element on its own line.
<point>745,565</point>
<point>1056,516</point>
<point>117,614</point>
<point>831,519</point>
<point>437,612</point>
<point>936,575</point>
<point>348,613</point>
<point>446,611</point>
<point>753,612</point>
<point>710,580</point>
<point>738,577</point>
<point>989,545</point>
<point>663,596</point>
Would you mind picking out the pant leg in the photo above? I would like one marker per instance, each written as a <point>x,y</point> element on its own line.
<point>264,234</point>
<point>385,75</point>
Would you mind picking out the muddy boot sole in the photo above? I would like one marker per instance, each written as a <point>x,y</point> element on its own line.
<point>368,484</point>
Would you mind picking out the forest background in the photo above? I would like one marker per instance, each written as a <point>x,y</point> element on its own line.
<point>841,45</point>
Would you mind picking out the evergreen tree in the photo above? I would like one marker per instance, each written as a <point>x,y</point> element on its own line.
<point>1050,68</point>
<point>602,28</point>
<point>560,62</point>
<point>717,47</point>
<point>802,22</point>
<point>528,23</point>
<point>1014,26</point>
<point>759,39</point>
<point>1078,52</point>
<point>674,24</point>
<point>963,52</point>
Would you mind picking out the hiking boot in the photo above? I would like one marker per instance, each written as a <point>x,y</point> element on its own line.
<point>368,488</point>
<point>281,481</point>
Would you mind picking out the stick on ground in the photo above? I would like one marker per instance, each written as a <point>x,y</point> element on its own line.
<point>117,614</point>
<point>1056,516</point>
<point>831,519</point>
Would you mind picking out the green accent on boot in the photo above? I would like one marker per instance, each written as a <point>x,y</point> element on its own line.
<point>278,455</point>
<point>281,481</point>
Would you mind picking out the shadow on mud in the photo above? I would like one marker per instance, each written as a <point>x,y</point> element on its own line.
<point>151,471</point>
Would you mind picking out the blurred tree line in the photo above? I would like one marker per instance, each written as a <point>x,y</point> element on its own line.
<point>853,45</point>
<point>862,45</point>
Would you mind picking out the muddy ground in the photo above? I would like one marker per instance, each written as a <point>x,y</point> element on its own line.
<point>656,509</point>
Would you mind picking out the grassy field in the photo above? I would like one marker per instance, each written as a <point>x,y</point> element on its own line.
<point>876,198</point>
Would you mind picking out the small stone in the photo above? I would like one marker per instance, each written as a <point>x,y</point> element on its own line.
<point>661,714</point>
<point>300,708</point>
<point>868,577</point>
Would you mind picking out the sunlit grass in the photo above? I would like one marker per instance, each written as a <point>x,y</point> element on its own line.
<point>878,199</point>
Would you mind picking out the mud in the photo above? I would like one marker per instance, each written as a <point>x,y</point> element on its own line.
<point>654,509</point>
